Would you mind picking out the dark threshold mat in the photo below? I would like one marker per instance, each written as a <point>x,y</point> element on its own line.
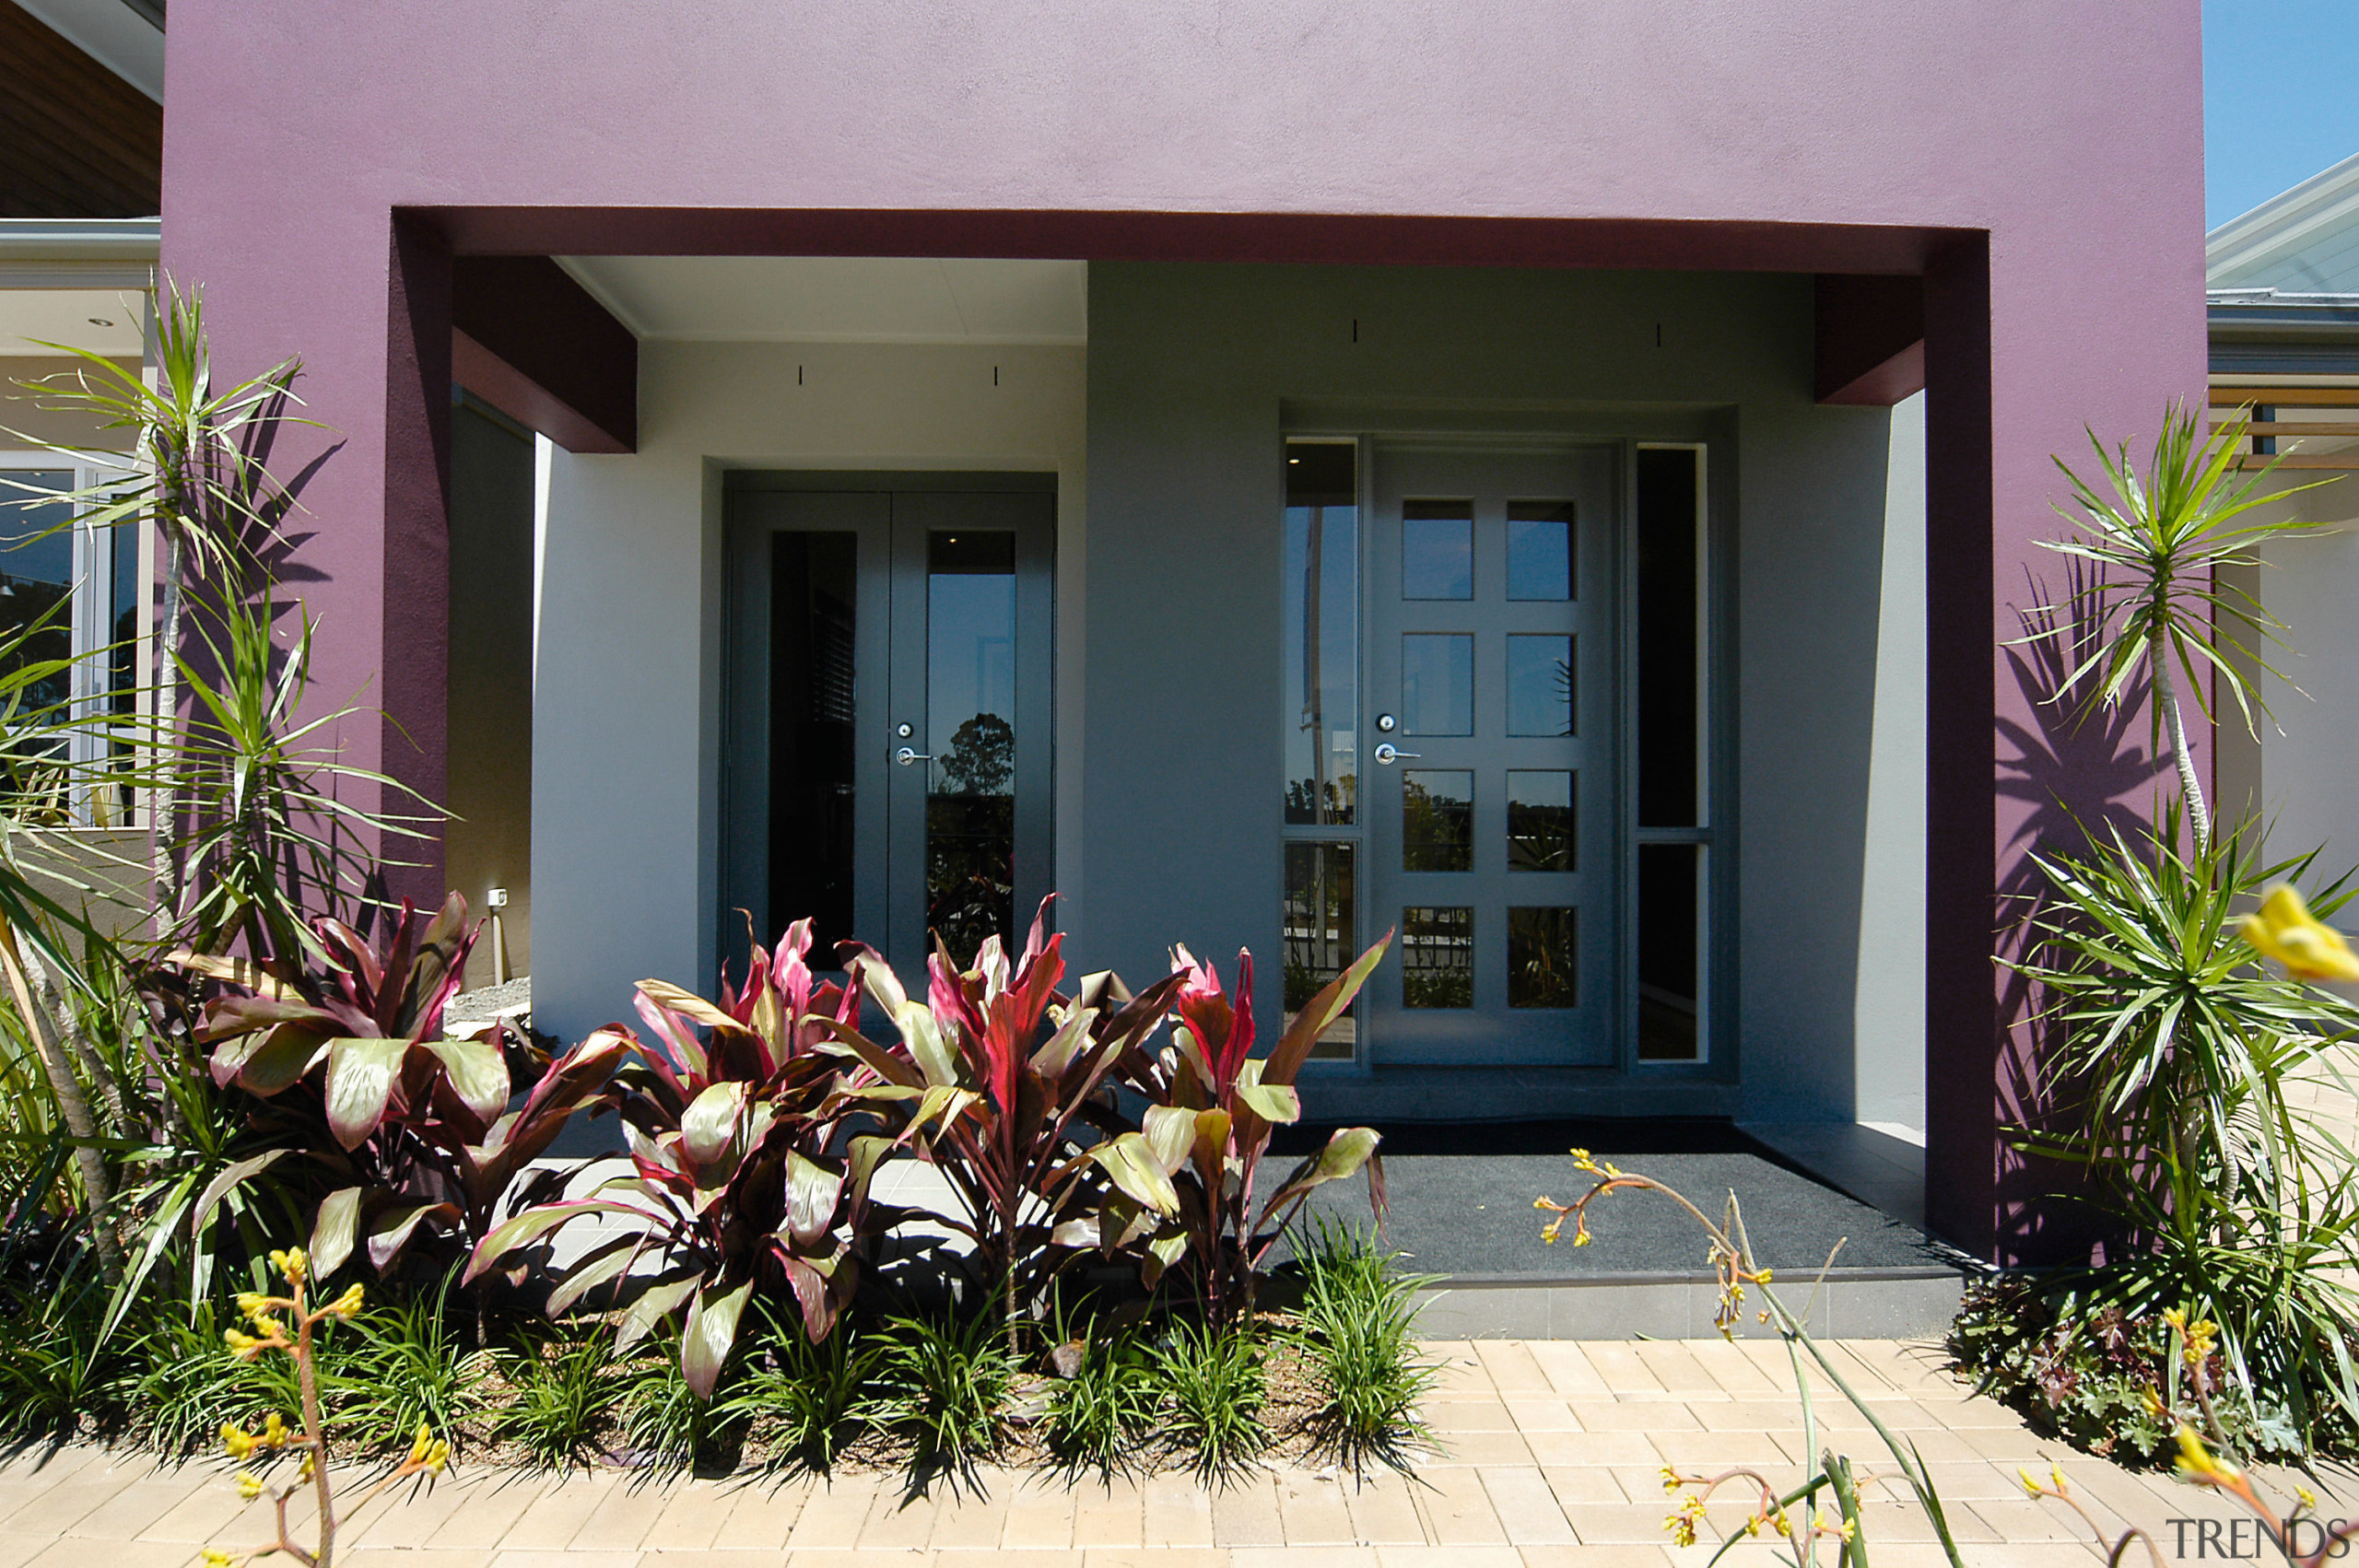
<point>1460,1200</point>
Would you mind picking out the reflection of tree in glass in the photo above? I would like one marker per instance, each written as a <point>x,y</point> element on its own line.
<point>981,758</point>
<point>1565,686</point>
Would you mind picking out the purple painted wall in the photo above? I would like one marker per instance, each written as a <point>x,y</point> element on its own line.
<point>1632,132</point>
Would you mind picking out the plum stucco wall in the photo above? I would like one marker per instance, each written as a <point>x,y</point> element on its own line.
<point>291,144</point>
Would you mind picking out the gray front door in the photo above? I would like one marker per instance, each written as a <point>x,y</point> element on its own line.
<point>887,754</point>
<point>1488,777</point>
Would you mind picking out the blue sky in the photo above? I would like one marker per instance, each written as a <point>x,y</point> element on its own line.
<point>2280,97</point>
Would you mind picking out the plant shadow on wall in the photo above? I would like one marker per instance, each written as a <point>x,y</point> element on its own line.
<point>2167,974</point>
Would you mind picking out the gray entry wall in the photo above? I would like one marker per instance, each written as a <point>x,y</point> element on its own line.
<point>1195,374</point>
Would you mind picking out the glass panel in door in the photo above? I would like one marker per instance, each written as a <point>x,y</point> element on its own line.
<point>970,747</point>
<point>1489,785</point>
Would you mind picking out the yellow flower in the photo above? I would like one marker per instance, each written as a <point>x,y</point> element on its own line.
<point>437,1456</point>
<point>249,1485</point>
<point>1670,1481</point>
<point>2309,1499</point>
<point>2056,1474</point>
<point>236,1440</point>
<point>1779,1523</point>
<point>2196,1461</point>
<point>244,1345</point>
<point>1846,1529</point>
<point>1582,1161</point>
<point>216,1558</point>
<point>2285,931</point>
<point>303,1471</point>
<point>1682,1521</point>
<point>424,1441</point>
<point>347,1304</point>
<point>273,1432</point>
<point>291,1263</point>
<point>2031,1487</point>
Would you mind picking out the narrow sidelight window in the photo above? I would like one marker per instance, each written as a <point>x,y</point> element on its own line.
<point>1322,931</point>
<point>1674,823</point>
<point>1321,599</point>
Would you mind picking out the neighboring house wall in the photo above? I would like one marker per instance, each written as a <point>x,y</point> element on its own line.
<point>488,843</point>
<point>1195,371</point>
<point>2299,774</point>
<point>626,714</point>
<point>76,140</point>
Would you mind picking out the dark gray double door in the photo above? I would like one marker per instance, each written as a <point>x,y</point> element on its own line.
<point>887,751</point>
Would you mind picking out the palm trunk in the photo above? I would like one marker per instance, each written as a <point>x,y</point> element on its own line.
<point>98,1188</point>
<point>2198,814</point>
<point>165,810</point>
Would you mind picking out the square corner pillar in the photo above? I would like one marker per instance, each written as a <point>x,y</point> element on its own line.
<point>361,299</point>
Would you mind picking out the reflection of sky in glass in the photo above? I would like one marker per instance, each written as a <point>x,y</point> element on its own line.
<point>1540,692</point>
<point>1540,551</point>
<point>23,557</point>
<point>970,656</point>
<point>1437,558</point>
<point>1337,699</point>
<point>1437,684</point>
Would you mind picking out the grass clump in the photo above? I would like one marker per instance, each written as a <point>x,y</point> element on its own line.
<point>562,1395</point>
<point>808,1400</point>
<point>1213,1390</point>
<point>1098,1414</point>
<point>942,1383</point>
<point>1359,1316</point>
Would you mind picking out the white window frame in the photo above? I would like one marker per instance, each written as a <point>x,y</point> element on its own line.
<point>92,632</point>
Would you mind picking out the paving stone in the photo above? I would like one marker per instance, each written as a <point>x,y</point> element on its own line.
<point>1592,1448</point>
<point>693,1511</point>
<point>1648,1416</point>
<point>1626,1373</point>
<point>1303,1557</point>
<point>1458,1372</point>
<point>1176,1512</point>
<point>1448,1557</point>
<point>541,1559</point>
<point>1602,1554</point>
<point>1111,1515</point>
<point>898,1522</point>
<point>1675,1367</point>
<point>363,1555</point>
<point>1729,1367</point>
<point>1598,1483</point>
<point>1039,1516</point>
<point>1152,1557</point>
<point>1543,1415</point>
<point>1457,1509</point>
<point>553,1517</point>
<point>1383,1507</point>
<point>1511,1366</point>
<point>1452,1416</point>
<point>972,1520</point>
<point>1245,1514</point>
<point>1526,1507</point>
<point>1568,1371</point>
<point>1489,1448</point>
<point>761,1518</point>
<point>491,1512</point>
<point>1312,1510</point>
<point>833,1513</point>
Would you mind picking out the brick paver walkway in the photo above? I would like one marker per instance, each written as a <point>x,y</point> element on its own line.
<point>1552,1456</point>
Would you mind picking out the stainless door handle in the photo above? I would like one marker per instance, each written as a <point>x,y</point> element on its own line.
<point>909,754</point>
<point>1388,754</point>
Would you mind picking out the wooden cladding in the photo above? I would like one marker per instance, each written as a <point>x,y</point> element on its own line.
<point>2227,399</point>
<point>75,139</point>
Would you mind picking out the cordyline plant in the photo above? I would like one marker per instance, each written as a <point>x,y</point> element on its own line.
<point>428,1454</point>
<point>2159,544</point>
<point>739,1176</point>
<point>413,1127</point>
<point>1001,1079</point>
<point>1211,1108</point>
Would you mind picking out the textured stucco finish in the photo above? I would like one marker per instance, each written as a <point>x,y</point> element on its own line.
<point>291,143</point>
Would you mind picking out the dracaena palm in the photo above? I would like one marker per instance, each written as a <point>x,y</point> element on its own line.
<point>199,480</point>
<point>2162,609</point>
